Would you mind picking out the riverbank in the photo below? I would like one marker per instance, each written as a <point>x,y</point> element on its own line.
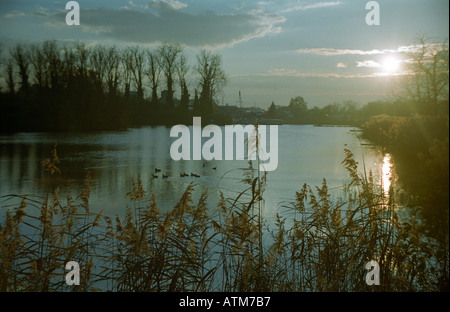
<point>420,152</point>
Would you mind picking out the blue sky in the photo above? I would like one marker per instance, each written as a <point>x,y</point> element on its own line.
<point>272,50</point>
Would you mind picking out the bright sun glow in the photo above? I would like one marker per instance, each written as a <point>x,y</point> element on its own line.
<point>391,65</point>
<point>386,174</point>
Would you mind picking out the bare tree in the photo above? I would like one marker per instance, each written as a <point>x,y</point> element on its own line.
<point>70,68</point>
<point>98,65</point>
<point>37,60</point>
<point>126,70</point>
<point>182,70</point>
<point>428,79</point>
<point>54,64</point>
<point>82,59</point>
<point>1,64</point>
<point>154,73</point>
<point>22,60</point>
<point>212,79</point>
<point>10,77</point>
<point>169,55</point>
<point>112,70</point>
<point>135,59</point>
<point>138,68</point>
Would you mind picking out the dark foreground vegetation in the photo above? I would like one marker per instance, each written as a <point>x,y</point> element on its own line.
<point>420,152</point>
<point>315,245</point>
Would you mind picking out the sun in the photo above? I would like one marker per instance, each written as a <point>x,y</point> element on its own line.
<point>391,65</point>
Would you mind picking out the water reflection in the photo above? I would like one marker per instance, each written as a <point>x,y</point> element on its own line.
<point>386,174</point>
<point>307,154</point>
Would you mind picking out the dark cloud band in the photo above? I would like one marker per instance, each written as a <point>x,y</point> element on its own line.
<point>206,29</point>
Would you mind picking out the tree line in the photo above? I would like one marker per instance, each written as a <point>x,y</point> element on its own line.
<point>49,86</point>
<point>347,112</point>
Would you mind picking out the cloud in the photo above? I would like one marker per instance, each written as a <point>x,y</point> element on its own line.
<point>341,65</point>
<point>283,72</point>
<point>368,63</point>
<point>14,14</point>
<point>321,5</point>
<point>302,7</point>
<point>165,20</point>
<point>333,52</point>
<point>294,73</point>
<point>166,5</point>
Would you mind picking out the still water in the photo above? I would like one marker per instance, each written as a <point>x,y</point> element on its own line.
<point>306,154</point>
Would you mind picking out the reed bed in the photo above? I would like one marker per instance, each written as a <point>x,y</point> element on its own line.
<point>316,244</point>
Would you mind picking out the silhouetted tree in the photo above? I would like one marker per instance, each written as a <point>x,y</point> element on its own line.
<point>196,104</point>
<point>182,69</point>
<point>212,79</point>
<point>81,57</point>
<point>169,56</point>
<point>427,84</point>
<point>153,73</point>
<point>1,65</point>
<point>126,71</point>
<point>136,60</point>
<point>98,65</point>
<point>37,60</point>
<point>10,77</point>
<point>184,101</point>
<point>70,74</point>
<point>298,107</point>
<point>349,107</point>
<point>73,86</point>
<point>272,111</point>
<point>112,70</point>
<point>21,59</point>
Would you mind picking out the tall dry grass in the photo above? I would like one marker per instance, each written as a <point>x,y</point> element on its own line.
<point>316,244</point>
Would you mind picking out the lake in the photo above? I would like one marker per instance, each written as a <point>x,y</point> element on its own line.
<point>306,154</point>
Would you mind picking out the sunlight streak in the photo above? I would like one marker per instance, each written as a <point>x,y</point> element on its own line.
<point>386,174</point>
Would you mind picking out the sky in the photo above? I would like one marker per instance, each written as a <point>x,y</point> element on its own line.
<point>323,50</point>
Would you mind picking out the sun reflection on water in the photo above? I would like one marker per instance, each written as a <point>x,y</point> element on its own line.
<point>386,174</point>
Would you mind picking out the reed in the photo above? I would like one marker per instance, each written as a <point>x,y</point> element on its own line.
<point>315,244</point>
